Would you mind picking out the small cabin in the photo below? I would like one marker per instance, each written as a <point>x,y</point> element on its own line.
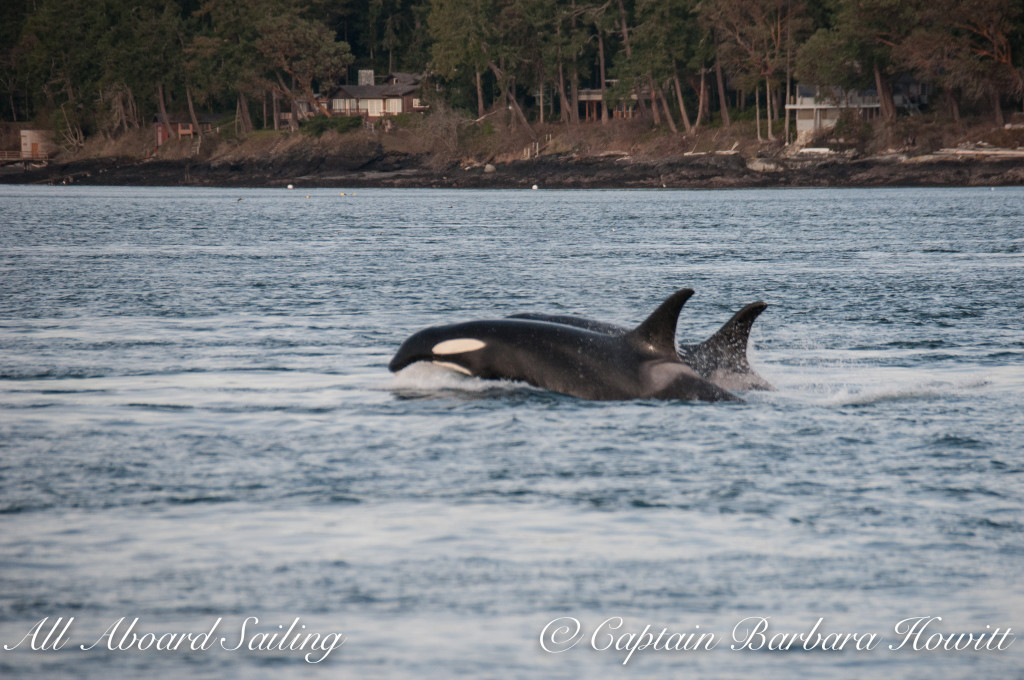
<point>182,126</point>
<point>37,145</point>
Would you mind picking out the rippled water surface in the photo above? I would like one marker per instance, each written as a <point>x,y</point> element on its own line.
<point>197,423</point>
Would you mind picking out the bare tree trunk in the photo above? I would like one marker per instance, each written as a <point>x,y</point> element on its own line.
<point>997,107</point>
<point>162,106</point>
<point>293,117</point>
<point>603,74</point>
<point>246,119</point>
<point>789,64</point>
<point>654,101</point>
<point>682,104</point>
<point>639,92</point>
<point>705,95</point>
<point>574,98</point>
<point>540,87</point>
<point>192,110</point>
<point>117,107</point>
<point>768,104</point>
<point>701,98</point>
<point>788,95</point>
<point>133,108</point>
<point>510,96</point>
<point>314,105</point>
<point>954,108</point>
<point>625,29</point>
<point>563,102</point>
<point>479,95</point>
<point>885,100</point>
<point>723,102</point>
<point>574,77</point>
<point>757,105</point>
<point>275,105</point>
<point>668,113</point>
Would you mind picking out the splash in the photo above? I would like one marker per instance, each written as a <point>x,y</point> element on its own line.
<point>865,385</point>
<point>425,380</point>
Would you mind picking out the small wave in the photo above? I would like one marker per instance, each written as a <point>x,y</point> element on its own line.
<point>869,395</point>
<point>161,407</point>
<point>425,380</point>
<point>192,500</point>
<point>957,442</point>
<point>876,387</point>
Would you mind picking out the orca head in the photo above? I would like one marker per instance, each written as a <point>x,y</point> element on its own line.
<point>439,345</point>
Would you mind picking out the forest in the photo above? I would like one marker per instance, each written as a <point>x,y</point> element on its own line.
<point>103,67</point>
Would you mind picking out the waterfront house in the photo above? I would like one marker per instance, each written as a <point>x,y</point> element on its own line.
<point>818,109</point>
<point>397,95</point>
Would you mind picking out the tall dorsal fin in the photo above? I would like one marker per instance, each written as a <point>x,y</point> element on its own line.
<point>728,347</point>
<point>659,330</point>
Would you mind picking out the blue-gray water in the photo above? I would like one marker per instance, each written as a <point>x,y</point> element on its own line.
<point>197,422</point>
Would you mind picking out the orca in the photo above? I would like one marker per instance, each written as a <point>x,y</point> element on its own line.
<point>641,363</point>
<point>722,358</point>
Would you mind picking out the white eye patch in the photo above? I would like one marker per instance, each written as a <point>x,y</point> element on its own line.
<point>457,346</point>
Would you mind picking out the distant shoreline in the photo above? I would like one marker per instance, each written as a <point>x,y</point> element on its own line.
<point>709,171</point>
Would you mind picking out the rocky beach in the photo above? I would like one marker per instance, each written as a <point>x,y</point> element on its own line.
<point>376,167</point>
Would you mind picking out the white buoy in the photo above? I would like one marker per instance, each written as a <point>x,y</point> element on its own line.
<point>535,187</point>
<point>290,186</point>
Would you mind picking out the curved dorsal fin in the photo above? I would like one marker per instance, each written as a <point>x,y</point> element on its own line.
<point>728,347</point>
<point>659,330</point>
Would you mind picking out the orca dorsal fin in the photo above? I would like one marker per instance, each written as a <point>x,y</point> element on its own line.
<point>728,347</point>
<point>658,331</point>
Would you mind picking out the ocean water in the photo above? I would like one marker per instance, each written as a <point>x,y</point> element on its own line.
<point>198,430</point>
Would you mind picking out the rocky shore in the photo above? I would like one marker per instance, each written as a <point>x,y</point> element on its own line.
<point>377,168</point>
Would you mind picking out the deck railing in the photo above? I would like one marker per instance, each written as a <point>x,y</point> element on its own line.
<point>6,156</point>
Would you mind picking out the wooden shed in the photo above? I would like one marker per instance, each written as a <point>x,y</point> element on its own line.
<point>37,145</point>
